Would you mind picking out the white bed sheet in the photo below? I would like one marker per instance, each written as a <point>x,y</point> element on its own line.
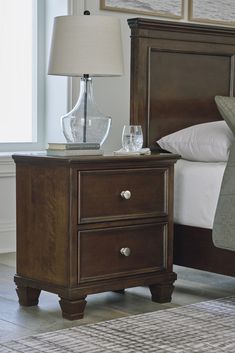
<point>197,187</point>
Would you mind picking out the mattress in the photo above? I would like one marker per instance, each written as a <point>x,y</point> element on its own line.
<point>196,192</point>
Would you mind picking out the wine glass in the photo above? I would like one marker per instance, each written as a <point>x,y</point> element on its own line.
<point>132,138</point>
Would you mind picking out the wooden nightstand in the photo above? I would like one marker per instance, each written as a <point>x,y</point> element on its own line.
<point>92,224</point>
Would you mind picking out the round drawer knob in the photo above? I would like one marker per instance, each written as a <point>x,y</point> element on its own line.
<point>125,251</point>
<point>126,194</point>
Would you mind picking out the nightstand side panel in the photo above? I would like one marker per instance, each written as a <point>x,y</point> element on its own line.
<point>43,222</point>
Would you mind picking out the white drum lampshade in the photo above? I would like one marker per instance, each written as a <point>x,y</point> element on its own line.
<point>86,45</point>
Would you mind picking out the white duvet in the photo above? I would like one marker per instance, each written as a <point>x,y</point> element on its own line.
<point>197,187</point>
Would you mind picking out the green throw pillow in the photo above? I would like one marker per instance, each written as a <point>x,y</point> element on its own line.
<point>226,107</point>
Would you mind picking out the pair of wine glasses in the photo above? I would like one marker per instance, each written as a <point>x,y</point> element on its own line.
<point>132,138</point>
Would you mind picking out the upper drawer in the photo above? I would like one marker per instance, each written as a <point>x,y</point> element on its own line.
<point>102,198</point>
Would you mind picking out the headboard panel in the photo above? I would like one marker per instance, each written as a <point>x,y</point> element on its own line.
<point>176,70</point>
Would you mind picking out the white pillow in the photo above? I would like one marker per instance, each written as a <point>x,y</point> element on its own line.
<point>209,142</point>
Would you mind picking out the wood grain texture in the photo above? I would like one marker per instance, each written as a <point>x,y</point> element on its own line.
<point>42,222</point>
<point>146,198</point>
<point>147,250</point>
<point>73,256</point>
<point>176,71</point>
<point>203,255</point>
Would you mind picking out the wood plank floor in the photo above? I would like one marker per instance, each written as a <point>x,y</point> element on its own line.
<point>16,322</point>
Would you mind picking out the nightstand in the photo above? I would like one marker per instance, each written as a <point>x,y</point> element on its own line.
<point>93,224</point>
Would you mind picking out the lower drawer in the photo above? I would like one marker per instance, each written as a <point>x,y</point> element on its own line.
<point>114,252</point>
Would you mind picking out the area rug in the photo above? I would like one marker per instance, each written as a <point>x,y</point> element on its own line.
<point>203,327</point>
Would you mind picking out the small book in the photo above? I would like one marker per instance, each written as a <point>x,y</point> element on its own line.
<point>74,146</point>
<point>78,152</point>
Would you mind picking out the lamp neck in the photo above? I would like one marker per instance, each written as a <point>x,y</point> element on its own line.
<point>87,92</point>
<point>86,88</point>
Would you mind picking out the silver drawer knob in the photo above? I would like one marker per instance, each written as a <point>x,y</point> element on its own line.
<point>125,251</point>
<point>126,194</point>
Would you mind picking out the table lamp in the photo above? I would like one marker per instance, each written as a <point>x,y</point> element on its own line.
<point>86,46</point>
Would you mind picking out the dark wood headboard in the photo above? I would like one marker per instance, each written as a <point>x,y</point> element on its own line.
<point>176,71</point>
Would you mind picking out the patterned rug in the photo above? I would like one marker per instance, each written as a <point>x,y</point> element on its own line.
<point>203,327</point>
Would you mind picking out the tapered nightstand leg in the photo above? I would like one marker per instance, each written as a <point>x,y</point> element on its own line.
<point>73,309</point>
<point>161,293</point>
<point>28,296</point>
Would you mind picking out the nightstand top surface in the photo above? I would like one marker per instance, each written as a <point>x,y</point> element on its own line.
<point>108,157</point>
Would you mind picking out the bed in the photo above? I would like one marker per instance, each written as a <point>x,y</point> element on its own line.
<point>176,71</point>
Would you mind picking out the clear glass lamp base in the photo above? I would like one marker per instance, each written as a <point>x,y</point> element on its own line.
<point>85,123</point>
